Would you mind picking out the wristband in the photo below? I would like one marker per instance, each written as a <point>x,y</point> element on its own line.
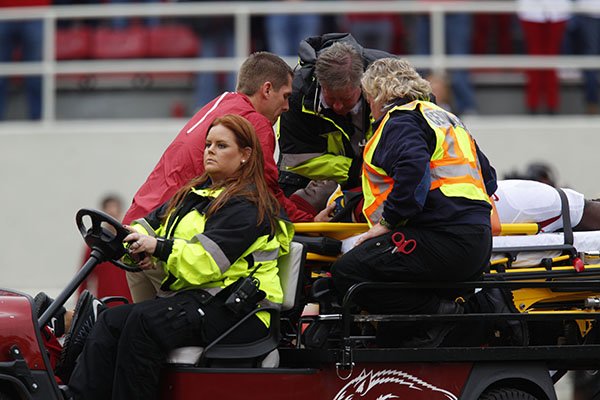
<point>163,248</point>
<point>385,224</point>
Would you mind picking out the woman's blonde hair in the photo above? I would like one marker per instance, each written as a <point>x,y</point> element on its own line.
<point>248,182</point>
<point>388,79</point>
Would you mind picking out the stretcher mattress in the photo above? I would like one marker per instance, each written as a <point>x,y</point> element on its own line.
<point>584,242</point>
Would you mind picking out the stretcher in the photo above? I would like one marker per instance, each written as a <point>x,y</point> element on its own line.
<point>520,254</point>
<point>518,245</point>
<point>587,244</point>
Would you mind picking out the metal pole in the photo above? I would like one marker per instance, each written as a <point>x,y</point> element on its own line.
<point>48,68</point>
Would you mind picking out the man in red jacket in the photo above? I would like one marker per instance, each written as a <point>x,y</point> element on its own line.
<point>264,86</point>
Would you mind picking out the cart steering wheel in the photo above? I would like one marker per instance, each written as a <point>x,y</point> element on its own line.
<point>104,234</point>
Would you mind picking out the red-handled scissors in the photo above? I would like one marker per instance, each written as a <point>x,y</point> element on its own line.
<point>402,245</point>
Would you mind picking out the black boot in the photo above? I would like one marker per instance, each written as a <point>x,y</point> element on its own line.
<point>513,332</point>
<point>435,335</point>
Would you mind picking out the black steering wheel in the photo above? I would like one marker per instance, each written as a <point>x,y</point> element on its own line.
<point>99,236</point>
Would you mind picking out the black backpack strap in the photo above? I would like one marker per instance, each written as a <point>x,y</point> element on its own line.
<point>566,216</point>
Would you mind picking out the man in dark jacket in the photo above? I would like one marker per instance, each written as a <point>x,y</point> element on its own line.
<point>323,133</point>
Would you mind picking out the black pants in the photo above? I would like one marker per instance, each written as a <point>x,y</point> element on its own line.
<point>456,253</point>
<point>122,356</point>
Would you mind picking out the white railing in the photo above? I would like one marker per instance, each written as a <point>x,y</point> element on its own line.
<point>242,12</point>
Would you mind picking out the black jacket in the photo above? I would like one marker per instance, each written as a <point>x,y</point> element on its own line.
<point>303,132</point>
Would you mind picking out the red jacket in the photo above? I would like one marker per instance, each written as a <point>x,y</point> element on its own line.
<point>184,158</point>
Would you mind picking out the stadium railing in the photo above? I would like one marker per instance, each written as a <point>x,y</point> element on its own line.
<point>242,12</point>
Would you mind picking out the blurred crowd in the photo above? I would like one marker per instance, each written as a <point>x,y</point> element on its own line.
<point>540,27</point>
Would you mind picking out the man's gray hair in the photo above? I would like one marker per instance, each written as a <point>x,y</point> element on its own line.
<point>339,66</point>
<point>390,78</point>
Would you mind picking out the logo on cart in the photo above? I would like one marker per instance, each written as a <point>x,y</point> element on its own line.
<point>386,385</point>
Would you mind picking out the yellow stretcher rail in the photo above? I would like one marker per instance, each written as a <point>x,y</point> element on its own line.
<point>336,230</point>
<point>519,229</point>
<point>343,230</point>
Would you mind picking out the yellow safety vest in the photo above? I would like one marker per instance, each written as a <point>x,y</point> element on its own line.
<point>198,268</point>
<point>334,164</point>
<point>454,165</point>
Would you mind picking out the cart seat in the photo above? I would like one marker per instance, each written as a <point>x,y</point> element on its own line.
<point>262,352</point>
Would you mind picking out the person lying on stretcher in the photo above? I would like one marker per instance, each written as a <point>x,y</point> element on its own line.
<point>516,200</point>
<point>525,201</point>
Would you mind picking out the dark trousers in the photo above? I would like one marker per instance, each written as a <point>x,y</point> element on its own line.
<point>125,350</point>
<point>451,254</point>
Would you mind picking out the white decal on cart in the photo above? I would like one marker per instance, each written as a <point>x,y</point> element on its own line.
<point>366,381</point>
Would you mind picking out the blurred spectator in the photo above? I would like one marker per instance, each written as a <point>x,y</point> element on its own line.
<point>123,22</point>
<point>536,171</point>
<point>216,40</point>
<point>441,90</point>
<point>285,31</point>
<point>494,33</point>
<point>544,23</point>
<point>64,23</point>
<point>589,29</point>
<point>541,172</point>
<point>22,40</point>
<point>106,279</point>
<point>458,33</point>
<point>375,31</point>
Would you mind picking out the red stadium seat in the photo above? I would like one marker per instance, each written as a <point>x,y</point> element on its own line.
<point>73,43</point>
<point>173,41</point>
<point>130,42</point>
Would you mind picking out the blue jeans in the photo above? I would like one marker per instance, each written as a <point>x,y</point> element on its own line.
<point>27,35</point>
<point>123,22</point>
<point>458,30</point>
<point>285,32</point>
<point>590,37</point>
<point>220,44</point>
<point>377,34</point>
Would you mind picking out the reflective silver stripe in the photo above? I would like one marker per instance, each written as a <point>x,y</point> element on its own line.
<point>449,139</point>
<point>377,214</point>
<point>454,171</point>
<point>260,255</point>
<point>215,251</point>
<point>213,290</point>
<point>383,186</point>
<point>268,303</point>
<point>146,226</point>
<point>208,112</point>
<point>292,160</point>
<point>378,180</point>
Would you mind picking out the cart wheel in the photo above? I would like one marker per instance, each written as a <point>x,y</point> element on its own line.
<point>507,394</point>
<point>7,396</point>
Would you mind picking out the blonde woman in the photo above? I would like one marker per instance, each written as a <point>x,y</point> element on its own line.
<point>426,188</point>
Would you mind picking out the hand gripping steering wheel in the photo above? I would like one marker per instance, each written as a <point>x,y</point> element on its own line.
<point>104,234</point>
